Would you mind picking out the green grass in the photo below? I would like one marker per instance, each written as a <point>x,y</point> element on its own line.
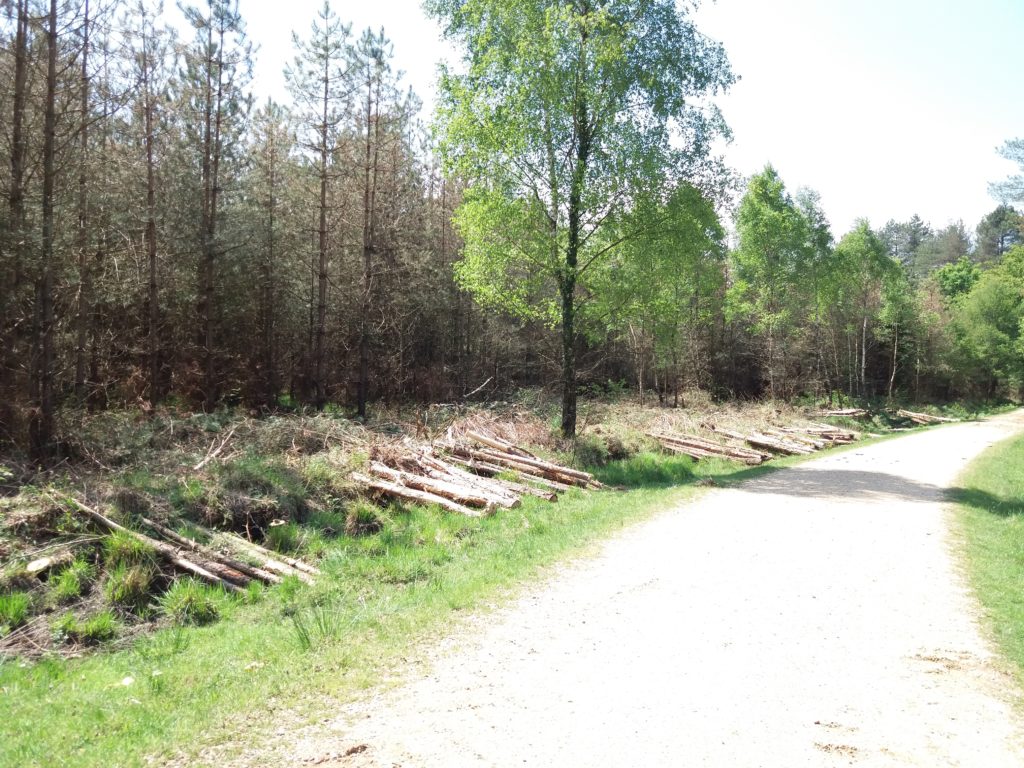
<point>991,505</point>
<point>191,602</point>
<point>14,608</point>
<point>73,581</point>
<point>403,581</point>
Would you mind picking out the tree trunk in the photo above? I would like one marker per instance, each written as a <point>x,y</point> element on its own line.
<point>153,297</point>
<point>84,316</point>
<point>321,289</point>
<point>10,284</point>
<point>368,202</point>
<point>41,426</point>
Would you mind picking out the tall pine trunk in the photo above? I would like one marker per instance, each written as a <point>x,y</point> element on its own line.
<point>41,425</point>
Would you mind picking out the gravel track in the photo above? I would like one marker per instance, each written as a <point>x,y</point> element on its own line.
<point>814,616</point>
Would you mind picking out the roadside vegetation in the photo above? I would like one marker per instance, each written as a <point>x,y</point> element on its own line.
<point>990,501</point>
<point>111,657</point>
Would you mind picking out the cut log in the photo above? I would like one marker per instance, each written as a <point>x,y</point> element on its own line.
<point>799,438</point>
<point>274,561</point>
<point>168,552</point>
<point>778,446</point>
<point>420,497</point>
<point>467,496</point>
<point>498,444</point>
<point>230,563</point>
<point>924,418</point>
<point>698,447</point>
<point>490,470</point>
<point>504,461</point>
<point>559,472</point>
<point>43,565</point>
<point>851,412</point>
<point>499,494</point>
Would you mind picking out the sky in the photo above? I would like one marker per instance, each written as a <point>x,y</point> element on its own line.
<point>886,107</point>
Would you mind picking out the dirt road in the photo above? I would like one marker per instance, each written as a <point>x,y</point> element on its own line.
<point>812,617</point>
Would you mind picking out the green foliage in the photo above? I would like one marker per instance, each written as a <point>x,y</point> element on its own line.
<point>99,628</point>
<point>988,327</point>
<point>129,586</point>
<point>14,610</point>
<point>191,602</point>
<point>590,451</point>
<point>73,581</point>
<point>123,549</point>
<point>957,279</point>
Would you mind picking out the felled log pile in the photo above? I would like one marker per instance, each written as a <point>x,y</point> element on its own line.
<point>215,567</point>
<point>700,448</point>
<point>756,447</point>
<point>467,474</point>
<point>923,419</point>
<point>853,413</point>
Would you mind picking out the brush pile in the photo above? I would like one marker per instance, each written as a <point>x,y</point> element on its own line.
<point>756,447</point>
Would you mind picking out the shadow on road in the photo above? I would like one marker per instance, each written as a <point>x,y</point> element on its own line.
<point>833,483</point>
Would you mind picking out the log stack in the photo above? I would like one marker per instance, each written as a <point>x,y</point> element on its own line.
<point>853,413</point>
<point>699,448</point>
<point>465,475</point>
<point>923,419</point>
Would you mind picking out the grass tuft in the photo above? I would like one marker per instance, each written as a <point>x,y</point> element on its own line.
<point>73,581</point>
<point>128,587</point>
<point>123,549</point>
<point>14,610</point>
<point>191,602</point>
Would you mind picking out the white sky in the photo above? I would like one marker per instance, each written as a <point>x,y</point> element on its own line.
<point>886,107</point>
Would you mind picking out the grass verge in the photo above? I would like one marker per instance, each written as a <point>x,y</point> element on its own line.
<point>189,687</point>
<point>990,501</point>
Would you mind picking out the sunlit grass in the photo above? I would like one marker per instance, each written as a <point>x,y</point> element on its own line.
<point>991,512</point>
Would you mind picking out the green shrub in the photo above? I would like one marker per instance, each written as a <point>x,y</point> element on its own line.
<point>191,602</point>
<point>73,581</point>
<point>590,451</point>
<point>120,548</point>
<point>284,538</point>
<point>14,608</point>
<point>96,629</point>
<point>128,587</point>
<point>363,518</point>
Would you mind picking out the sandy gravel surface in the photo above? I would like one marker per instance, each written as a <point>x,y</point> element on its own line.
<point>812,617</point>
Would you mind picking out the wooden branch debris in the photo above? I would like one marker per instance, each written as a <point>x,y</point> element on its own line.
<point>699,448</point>
<point>214,452</point>
<point>924,418</point>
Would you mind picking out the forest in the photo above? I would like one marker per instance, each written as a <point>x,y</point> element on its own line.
<point>561,221</point>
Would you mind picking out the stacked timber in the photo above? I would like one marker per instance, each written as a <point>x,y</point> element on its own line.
<point>826,432</point>
<point>699,448</point>
<point>853,413</point>
<point>463,476</point>
<point>218,568</point>
<point>923,419</point>
<point>782,445</point>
